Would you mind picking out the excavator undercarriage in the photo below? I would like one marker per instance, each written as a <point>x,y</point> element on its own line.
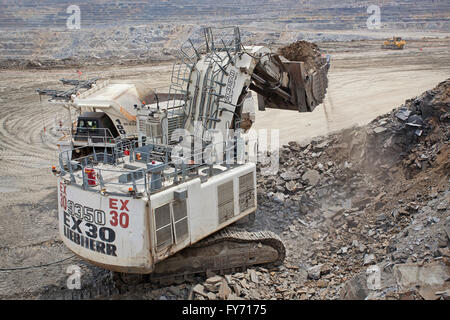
<point>226,251</point>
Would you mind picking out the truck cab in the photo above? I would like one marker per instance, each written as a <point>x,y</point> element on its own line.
<point>94,128</point>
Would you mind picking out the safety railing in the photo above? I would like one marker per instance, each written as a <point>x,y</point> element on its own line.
<point>221,46</point>
<point>93,135</point>
<point>126,177</point>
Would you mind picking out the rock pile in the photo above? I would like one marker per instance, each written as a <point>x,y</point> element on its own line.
<point>305,51</point>
<point>370,196</point>
<point>363,213</point>
<point>232,287</point>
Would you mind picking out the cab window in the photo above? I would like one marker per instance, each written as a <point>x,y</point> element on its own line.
<point>89,124</point>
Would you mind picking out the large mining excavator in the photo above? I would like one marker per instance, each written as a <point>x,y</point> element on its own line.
<point>157,193</point>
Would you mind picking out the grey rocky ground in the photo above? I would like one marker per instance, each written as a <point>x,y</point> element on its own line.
<point>369,198</point>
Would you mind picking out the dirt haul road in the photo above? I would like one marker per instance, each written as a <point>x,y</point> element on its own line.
<point>364,82</point>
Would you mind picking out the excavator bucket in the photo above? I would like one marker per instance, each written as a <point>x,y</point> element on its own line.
<point>296,88</point>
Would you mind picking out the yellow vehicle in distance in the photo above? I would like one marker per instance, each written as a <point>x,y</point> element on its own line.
<point>395,43</point>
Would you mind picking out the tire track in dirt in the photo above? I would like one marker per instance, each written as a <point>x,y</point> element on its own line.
<point>29,234</point>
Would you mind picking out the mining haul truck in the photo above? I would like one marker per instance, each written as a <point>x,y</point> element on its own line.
<point>143,199</point>
<point>105,112</point>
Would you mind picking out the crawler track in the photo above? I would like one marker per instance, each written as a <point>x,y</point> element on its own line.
<point>226,251</point>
